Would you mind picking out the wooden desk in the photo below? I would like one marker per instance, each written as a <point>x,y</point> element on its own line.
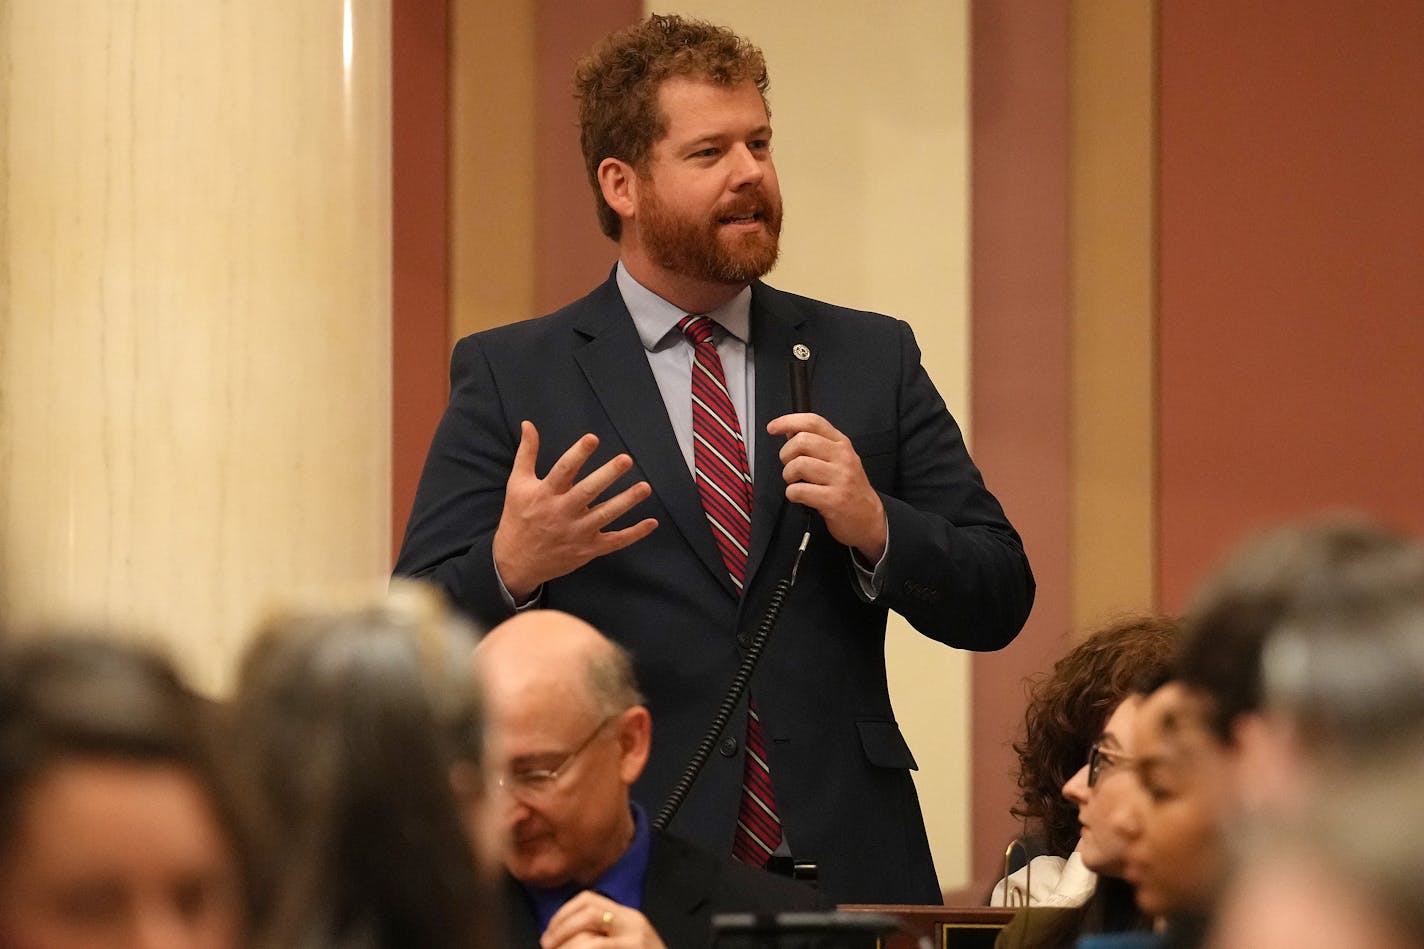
<point>946,927</point>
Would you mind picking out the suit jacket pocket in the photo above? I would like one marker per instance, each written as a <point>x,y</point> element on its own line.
<point>884,746</point>
<point>878,453</point>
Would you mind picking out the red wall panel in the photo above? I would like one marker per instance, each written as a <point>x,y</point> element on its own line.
<point>420,267</point>
<point>1020,297</point>
<point>1291,244</point>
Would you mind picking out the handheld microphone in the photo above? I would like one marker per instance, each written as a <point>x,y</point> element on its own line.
<point>800,378</point>
<point>800,368</point>
<point>800,402</point>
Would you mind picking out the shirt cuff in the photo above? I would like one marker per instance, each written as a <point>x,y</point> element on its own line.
<point>508,597</point>
<point>871,578</point>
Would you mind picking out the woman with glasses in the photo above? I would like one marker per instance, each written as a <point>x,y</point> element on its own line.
<point>1074,774</point>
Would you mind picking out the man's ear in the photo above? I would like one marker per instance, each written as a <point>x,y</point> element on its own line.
<point>635,737</point>
<point>619,184</point>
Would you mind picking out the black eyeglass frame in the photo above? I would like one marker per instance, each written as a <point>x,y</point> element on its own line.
<point>1101,759</point>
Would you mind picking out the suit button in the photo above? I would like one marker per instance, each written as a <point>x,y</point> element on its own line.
<point>729,747</point>
<point>744,641</point>
<point>920,591</point>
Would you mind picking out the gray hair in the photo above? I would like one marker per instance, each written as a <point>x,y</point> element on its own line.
<point>1349,665</point>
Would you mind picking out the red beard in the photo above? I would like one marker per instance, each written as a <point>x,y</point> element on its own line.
<point>709,249</point>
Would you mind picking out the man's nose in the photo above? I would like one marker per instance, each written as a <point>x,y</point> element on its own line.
<point>513,810</point>
<point>158,925</point>
<point>747,167</point>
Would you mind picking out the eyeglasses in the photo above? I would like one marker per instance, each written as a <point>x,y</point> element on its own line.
<point>538,781</point>
<point>1100,760</point>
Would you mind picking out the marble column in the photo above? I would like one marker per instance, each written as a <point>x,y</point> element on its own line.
<point>194,313</point>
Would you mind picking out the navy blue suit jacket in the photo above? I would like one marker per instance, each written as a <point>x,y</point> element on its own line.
<point>955,569</point>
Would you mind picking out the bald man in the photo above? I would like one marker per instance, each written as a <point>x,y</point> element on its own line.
<point>569,736</point>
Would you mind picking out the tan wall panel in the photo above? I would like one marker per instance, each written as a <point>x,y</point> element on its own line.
<point>871,117</point>
<point>194,333</point>
<point>1112,85</point>
<point>493,206</point>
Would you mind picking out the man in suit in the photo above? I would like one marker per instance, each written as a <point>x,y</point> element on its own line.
<point>569,735</point>
<point>698,475</point>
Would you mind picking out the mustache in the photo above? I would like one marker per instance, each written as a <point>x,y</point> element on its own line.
<point>758,205</point>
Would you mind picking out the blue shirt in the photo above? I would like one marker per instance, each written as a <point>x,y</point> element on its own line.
<point>670,357</point>
<point>622,883</point>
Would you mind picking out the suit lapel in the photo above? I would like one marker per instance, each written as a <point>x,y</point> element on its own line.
<point>775,327</point>
<point>521,930</point>
<point>616,367</point>
<point>675,894</point>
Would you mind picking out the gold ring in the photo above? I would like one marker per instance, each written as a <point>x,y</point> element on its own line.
<point>607,922</point>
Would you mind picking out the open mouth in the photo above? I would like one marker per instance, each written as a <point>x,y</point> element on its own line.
<point>751,213</point>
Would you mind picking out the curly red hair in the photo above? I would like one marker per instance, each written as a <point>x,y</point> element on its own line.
<point>617,88</point>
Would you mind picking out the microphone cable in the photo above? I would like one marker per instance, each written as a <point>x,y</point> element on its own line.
<point>800,402</point>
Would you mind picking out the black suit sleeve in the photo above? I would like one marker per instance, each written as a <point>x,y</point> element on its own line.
<point>955,567</point>
<point>686,886</point>
<point>450,535</point>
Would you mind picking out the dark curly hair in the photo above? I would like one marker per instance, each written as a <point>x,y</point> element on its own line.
<point>617,88</point>
<point>1068,708</point>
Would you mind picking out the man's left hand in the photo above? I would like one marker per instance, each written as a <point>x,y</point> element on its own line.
<point>823,471</point>
<point>592,919</point>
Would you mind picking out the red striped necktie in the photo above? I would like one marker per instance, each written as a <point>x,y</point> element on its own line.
<point>724,483</point>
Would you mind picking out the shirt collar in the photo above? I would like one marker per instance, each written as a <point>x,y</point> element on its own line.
<point>656,319</point>
<point>622,883</point>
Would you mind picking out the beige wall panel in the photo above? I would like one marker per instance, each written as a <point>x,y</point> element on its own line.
<point>871,112</point>
<point>493,206</point>
<point>195,328</point>
<point>1113,278</point>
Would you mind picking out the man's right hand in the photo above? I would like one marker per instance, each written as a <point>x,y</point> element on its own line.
<point>592,919</point>
<point>551,526</point>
